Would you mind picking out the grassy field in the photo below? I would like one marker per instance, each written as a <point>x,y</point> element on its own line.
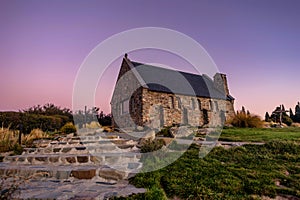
<point>260,134</point>
<point>248,172</point>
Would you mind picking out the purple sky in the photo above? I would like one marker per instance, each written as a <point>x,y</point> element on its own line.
<point>43,43</point>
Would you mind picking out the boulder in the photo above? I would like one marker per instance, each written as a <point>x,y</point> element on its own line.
<point>183,131</point>
<point>111,174</point>
<point>149,135</point>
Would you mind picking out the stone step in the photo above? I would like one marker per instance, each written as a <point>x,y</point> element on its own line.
<point>51,150</point>
<point>79,149</point>
<point>112,159</point>
<point>97,173</point>
<point>78,189</point>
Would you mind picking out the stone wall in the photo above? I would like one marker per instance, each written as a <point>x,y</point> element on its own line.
<point>163,109</point>
<point>129,89</point>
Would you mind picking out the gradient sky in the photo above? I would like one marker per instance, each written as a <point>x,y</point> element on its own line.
<point>43,43</point>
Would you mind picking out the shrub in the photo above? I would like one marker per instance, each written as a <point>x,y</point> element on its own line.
<point>244,120</point>
<point>165,132</point>
<point>17,149</point>
<point>151,145</point>
<point>68,128</point>
<point>287,120</point>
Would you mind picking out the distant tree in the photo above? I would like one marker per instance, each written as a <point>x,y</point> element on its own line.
<point>50,109</point>
<point>248,113</point>
<point>243,110</point>
<point>81,117</point>
<point>104,120</point>
<point>282,107</point>
<point>267,117</point>
<point>287,120</point>
<point>297,108</point>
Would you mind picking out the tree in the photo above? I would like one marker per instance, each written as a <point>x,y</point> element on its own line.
<point>267,117</point>
<point>243,110</point>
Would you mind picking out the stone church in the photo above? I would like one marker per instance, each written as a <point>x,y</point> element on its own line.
<point>155,97</point>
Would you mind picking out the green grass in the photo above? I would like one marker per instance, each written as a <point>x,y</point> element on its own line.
<point>260,134</point>
<point>247,172</point>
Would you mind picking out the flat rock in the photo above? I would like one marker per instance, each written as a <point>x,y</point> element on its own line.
<point>83,173</point>
<point>111,174</point>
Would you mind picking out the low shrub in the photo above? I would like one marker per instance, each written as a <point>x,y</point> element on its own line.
<point>68,128</point>
<point>165,132</point>
<point>244,120</point>
<point>17,149</point>
<point>151,145</point>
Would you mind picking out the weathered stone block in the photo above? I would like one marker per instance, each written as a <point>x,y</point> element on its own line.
<point>54,159</point>
<point>41,159</point>
<point>84,173</point>
<point>66,149</point>
<point>71,159</point>
<point>55,150</point>
<point>111,174</point>
<point>62,174</point>
<point>83,159</point>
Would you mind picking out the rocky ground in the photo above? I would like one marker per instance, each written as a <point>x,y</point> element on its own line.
<point>93,165</point>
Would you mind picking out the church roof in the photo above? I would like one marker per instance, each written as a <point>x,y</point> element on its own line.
<point>177,82</point>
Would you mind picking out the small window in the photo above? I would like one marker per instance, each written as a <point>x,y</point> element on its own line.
<point>193,104</point>
<point>125,107</point>
<point>216,107</point>
<point>132,104</point>
<point>171,102</point>
<point>199,104</point>
<point>178,102</point>
<point>211,105</point>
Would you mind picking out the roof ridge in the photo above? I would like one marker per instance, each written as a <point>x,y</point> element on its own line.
<point>189,73</point>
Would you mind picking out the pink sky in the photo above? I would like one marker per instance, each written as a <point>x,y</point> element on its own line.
<point>44,43</point>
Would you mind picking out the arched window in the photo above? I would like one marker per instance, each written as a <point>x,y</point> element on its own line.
<point>171,102</point>
<point>193,104</point>
<point>199,104</point>
<point>178,102</point>
<point>216,106</point>
<point>211,105</point>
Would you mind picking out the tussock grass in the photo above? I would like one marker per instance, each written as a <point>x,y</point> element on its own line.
<point>244,120</point>
<point>93,124</point>
<point>9,139</point>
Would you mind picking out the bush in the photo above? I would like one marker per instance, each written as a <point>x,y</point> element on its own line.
<point>17,149</point>
<point>165,132</point>
<point>287,120</point>
<point>244,120</point>
<point>68,128</point>
<point>151,145</point>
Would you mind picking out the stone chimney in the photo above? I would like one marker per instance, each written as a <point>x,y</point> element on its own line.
<point>220,82</point>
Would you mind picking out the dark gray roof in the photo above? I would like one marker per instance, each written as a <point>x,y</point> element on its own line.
<point>177,82</point>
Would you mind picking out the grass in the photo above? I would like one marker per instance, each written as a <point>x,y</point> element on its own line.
<point>9,139</point>
<point>260,134</point>
<point>248,172</point>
